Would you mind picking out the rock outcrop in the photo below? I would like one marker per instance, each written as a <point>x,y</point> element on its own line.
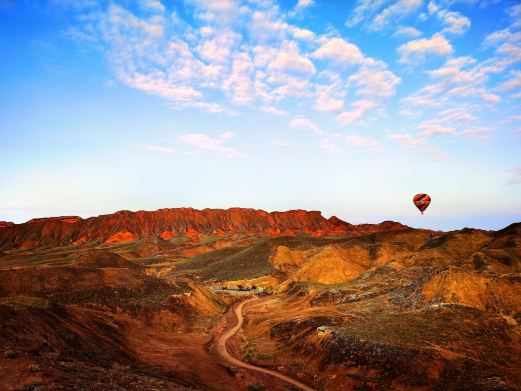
<point>165,223</point>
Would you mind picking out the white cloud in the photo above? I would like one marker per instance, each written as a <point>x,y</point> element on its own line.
<point>394,12</point>
<point>217,11</point>
<point>286,86</point>
<point>358,109</point>
<point>510,51</point>
<point>507,42</point>
<point>268,25</point>
<point>462,77</point>
<point>432,7</point>
<point>327,104</point>
<point>236,53</point>
<point>462,113</point>
<point>226,135</point>
<point>289,60</point>
<point>455,22</point>
<point>452,69</point>
<point>239,83</point>
<point>364,142</point>
<point>466,91</point>
<point>203,141</point>
<point>419,48</point>
<point>417,145</point>
<point>305,123</point>
<point>407,31</point>
<point>339,51</point>
<point>429,129</point>
<point>449,120</point>
<point>460,95</point>
<point>282,72</point>
<point>515,13</point>
<point>153,5</point>
<point>300,8</point>
<point>218,48</point>
<point>302,34</point>
<point>304,3</point>
<point>378,14</point>
<point>407,141</point>
<point>210,107</point>
<point>190,67</point>
<point>163,88</point>
<point>206,31</point>
<point>476,132</point>
<point>272,110</point>
<point>513,83</point>
<point>155,148</point>
<point>374,79</point>
<point>364,10</point>
<point>329,97</point>
<point>328,145</point>
<point>502,36</point>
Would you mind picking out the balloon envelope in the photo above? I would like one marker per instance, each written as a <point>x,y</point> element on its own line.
<point>421,201</point>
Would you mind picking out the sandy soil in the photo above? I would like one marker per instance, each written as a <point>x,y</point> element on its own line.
<point>231,329</point>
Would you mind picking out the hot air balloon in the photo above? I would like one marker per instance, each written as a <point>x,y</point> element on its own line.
<point>421,201</point>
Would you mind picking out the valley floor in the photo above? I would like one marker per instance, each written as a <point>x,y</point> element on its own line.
<point>234,326</point>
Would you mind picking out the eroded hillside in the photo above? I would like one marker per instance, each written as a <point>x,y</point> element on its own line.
<point>351,307</point>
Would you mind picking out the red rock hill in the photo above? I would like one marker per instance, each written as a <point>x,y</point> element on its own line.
<point>126,225</point>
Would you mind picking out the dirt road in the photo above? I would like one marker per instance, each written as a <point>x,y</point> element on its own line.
<point>230,331</point>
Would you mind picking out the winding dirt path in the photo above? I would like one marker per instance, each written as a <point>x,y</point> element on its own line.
<point>225,354</point>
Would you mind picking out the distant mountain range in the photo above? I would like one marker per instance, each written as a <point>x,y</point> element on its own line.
<point>166,223</point>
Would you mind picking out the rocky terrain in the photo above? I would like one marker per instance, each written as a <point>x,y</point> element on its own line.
<point>140,301</point>
<point>167,223</point>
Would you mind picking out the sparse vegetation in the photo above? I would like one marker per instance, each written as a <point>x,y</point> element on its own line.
<point>10,354</point>
<point>249,352</point>
<point>233,263</point>
<point>256,387</point>
<point>296,366</point>
<point>33,368</point>
<point>33,385</point>
<point>25,301</point>
<point>264,357</point>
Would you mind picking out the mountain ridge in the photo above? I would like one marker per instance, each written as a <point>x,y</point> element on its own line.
<point>127,225</point>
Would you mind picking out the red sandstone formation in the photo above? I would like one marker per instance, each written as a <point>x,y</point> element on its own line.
<point>383,226</point>
<point>192,233</point>
<point>166,235</point>
<point>123,236</point>
<point>126,225</point>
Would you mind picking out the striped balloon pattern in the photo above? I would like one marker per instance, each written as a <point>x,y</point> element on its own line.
<point>422,201</point>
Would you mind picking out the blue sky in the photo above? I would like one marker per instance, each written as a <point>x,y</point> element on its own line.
<point>348,107</point>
